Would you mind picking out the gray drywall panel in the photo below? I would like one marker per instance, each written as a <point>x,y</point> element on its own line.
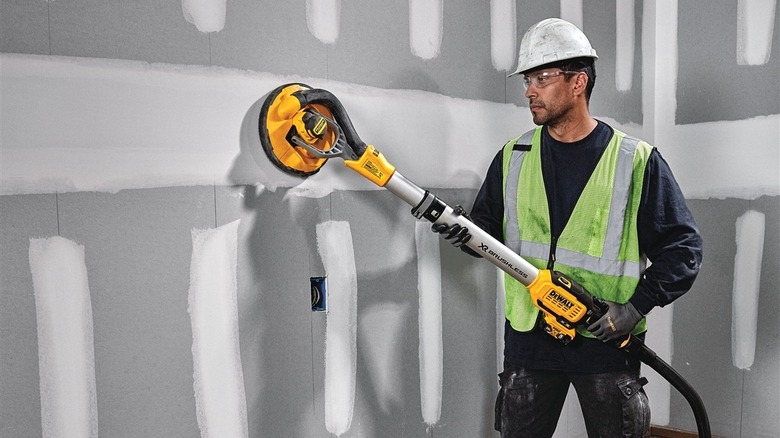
<point>146,30</point>
<point>138,249</point>
<point>383,235</point>
<point>385,259</point>
<point>21,218</point>
<point>373,49</point>
<point>711,86</point>
<point>269,37</point>
<point>528,12</point>
<point>24,27</point>
<point>276,241</point>
<point>469,326</point>
<point>464,67</point>
<point>600,27</point>
<point>761,388</point>
<point>703,322</point>
<point>701,329</point>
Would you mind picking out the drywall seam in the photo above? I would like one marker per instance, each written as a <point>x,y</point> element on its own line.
<point>747,285</point>
<point>209,137</point>
<point>624,44</point>
<point>334,243</point>
<point>425,27</point>
<point>571,11</point>
<point>66,356</point>
<point>431,350</point>
<point>323,18</point>
<point>210,134</point>
<point>755,29</point>
<point>218,378</point>
<point>206,15</point>
<point>503,34</point>
<point>500,318</point>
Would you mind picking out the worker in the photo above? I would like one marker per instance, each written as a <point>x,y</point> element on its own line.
<point>578,196</point>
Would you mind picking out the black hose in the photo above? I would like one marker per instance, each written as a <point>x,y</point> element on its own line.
<point>638,349</point>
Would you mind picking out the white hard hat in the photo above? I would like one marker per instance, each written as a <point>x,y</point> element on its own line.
<point>552,40</point>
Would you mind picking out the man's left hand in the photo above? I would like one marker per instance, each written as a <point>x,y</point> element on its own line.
<point>619,320</point>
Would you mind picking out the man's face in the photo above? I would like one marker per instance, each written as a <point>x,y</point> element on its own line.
<point>549,95</point>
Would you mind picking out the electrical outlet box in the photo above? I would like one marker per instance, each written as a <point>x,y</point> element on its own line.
<point>319,294</point>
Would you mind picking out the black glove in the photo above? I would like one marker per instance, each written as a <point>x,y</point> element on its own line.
<point>455,234</point>
<point>619,320</point>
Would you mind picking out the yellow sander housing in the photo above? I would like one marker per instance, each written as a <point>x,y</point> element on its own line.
<point>281,118</point>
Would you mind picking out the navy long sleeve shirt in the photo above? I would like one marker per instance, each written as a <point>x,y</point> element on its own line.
<point>668,236</point>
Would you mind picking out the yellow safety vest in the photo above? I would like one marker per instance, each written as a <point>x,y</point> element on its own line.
<point>599,246</point>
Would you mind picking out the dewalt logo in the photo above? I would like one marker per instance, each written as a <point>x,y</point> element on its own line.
<point>319,128</point>
<point>560,300</point>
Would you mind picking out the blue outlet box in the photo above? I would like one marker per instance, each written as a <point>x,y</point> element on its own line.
<point>319,294</point>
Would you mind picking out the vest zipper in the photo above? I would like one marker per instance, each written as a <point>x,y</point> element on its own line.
<point>553,247</point>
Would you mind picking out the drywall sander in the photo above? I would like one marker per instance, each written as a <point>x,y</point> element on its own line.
<point>301,128</point>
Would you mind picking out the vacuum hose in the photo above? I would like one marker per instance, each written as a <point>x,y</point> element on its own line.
<point>639,350</point>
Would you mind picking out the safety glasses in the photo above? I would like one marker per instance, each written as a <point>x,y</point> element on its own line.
<point>543,79</point>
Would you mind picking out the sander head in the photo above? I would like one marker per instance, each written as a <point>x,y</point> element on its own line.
<point>282,117</point>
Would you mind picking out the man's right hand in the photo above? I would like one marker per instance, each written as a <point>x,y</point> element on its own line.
<point>455,234</point>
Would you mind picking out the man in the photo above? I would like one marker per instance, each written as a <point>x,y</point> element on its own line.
<point>580,197</point>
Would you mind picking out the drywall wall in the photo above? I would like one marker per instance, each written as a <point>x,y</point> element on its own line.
<point>124,127</point>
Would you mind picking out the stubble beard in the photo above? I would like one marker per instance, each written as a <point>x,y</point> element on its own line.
<point>551,116</point>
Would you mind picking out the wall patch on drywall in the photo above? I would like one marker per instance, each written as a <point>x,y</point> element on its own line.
<point>755,29</point>
<point>66,355</point>
<point>323,18</point>
<point>747,284</point>
<point>624,44</point>
<point>503,34</point>
<point>430,321</point>
<point>425,27</point>
<point>218,378</point>
<point>334,243</point>
<point>206,15</point>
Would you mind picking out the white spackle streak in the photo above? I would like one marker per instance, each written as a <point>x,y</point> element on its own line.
<point>381,340</point>
<point>206,15</point>
<point>323,19</point>
<point>747,283</point>
<point>755,29</point>
<point>571,11</point>
<point>425,27</point>
<point>503,34</point>
<point>660,340</point>
<point>210,135</point>
<point>66,356</point>
<point>430,321</point>
<point>500,318</point>
<point>218,379</point>
<point>334,243</point>
<point>624,45</point>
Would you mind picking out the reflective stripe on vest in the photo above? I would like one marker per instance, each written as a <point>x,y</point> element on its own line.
<point>599,246</point>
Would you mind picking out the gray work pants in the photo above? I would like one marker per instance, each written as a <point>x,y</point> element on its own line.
<point>530,402</point>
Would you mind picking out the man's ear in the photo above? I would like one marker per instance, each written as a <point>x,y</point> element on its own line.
<point>580,83</point>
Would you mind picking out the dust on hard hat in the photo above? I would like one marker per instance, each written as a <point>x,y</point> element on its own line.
<point>550,41</point>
